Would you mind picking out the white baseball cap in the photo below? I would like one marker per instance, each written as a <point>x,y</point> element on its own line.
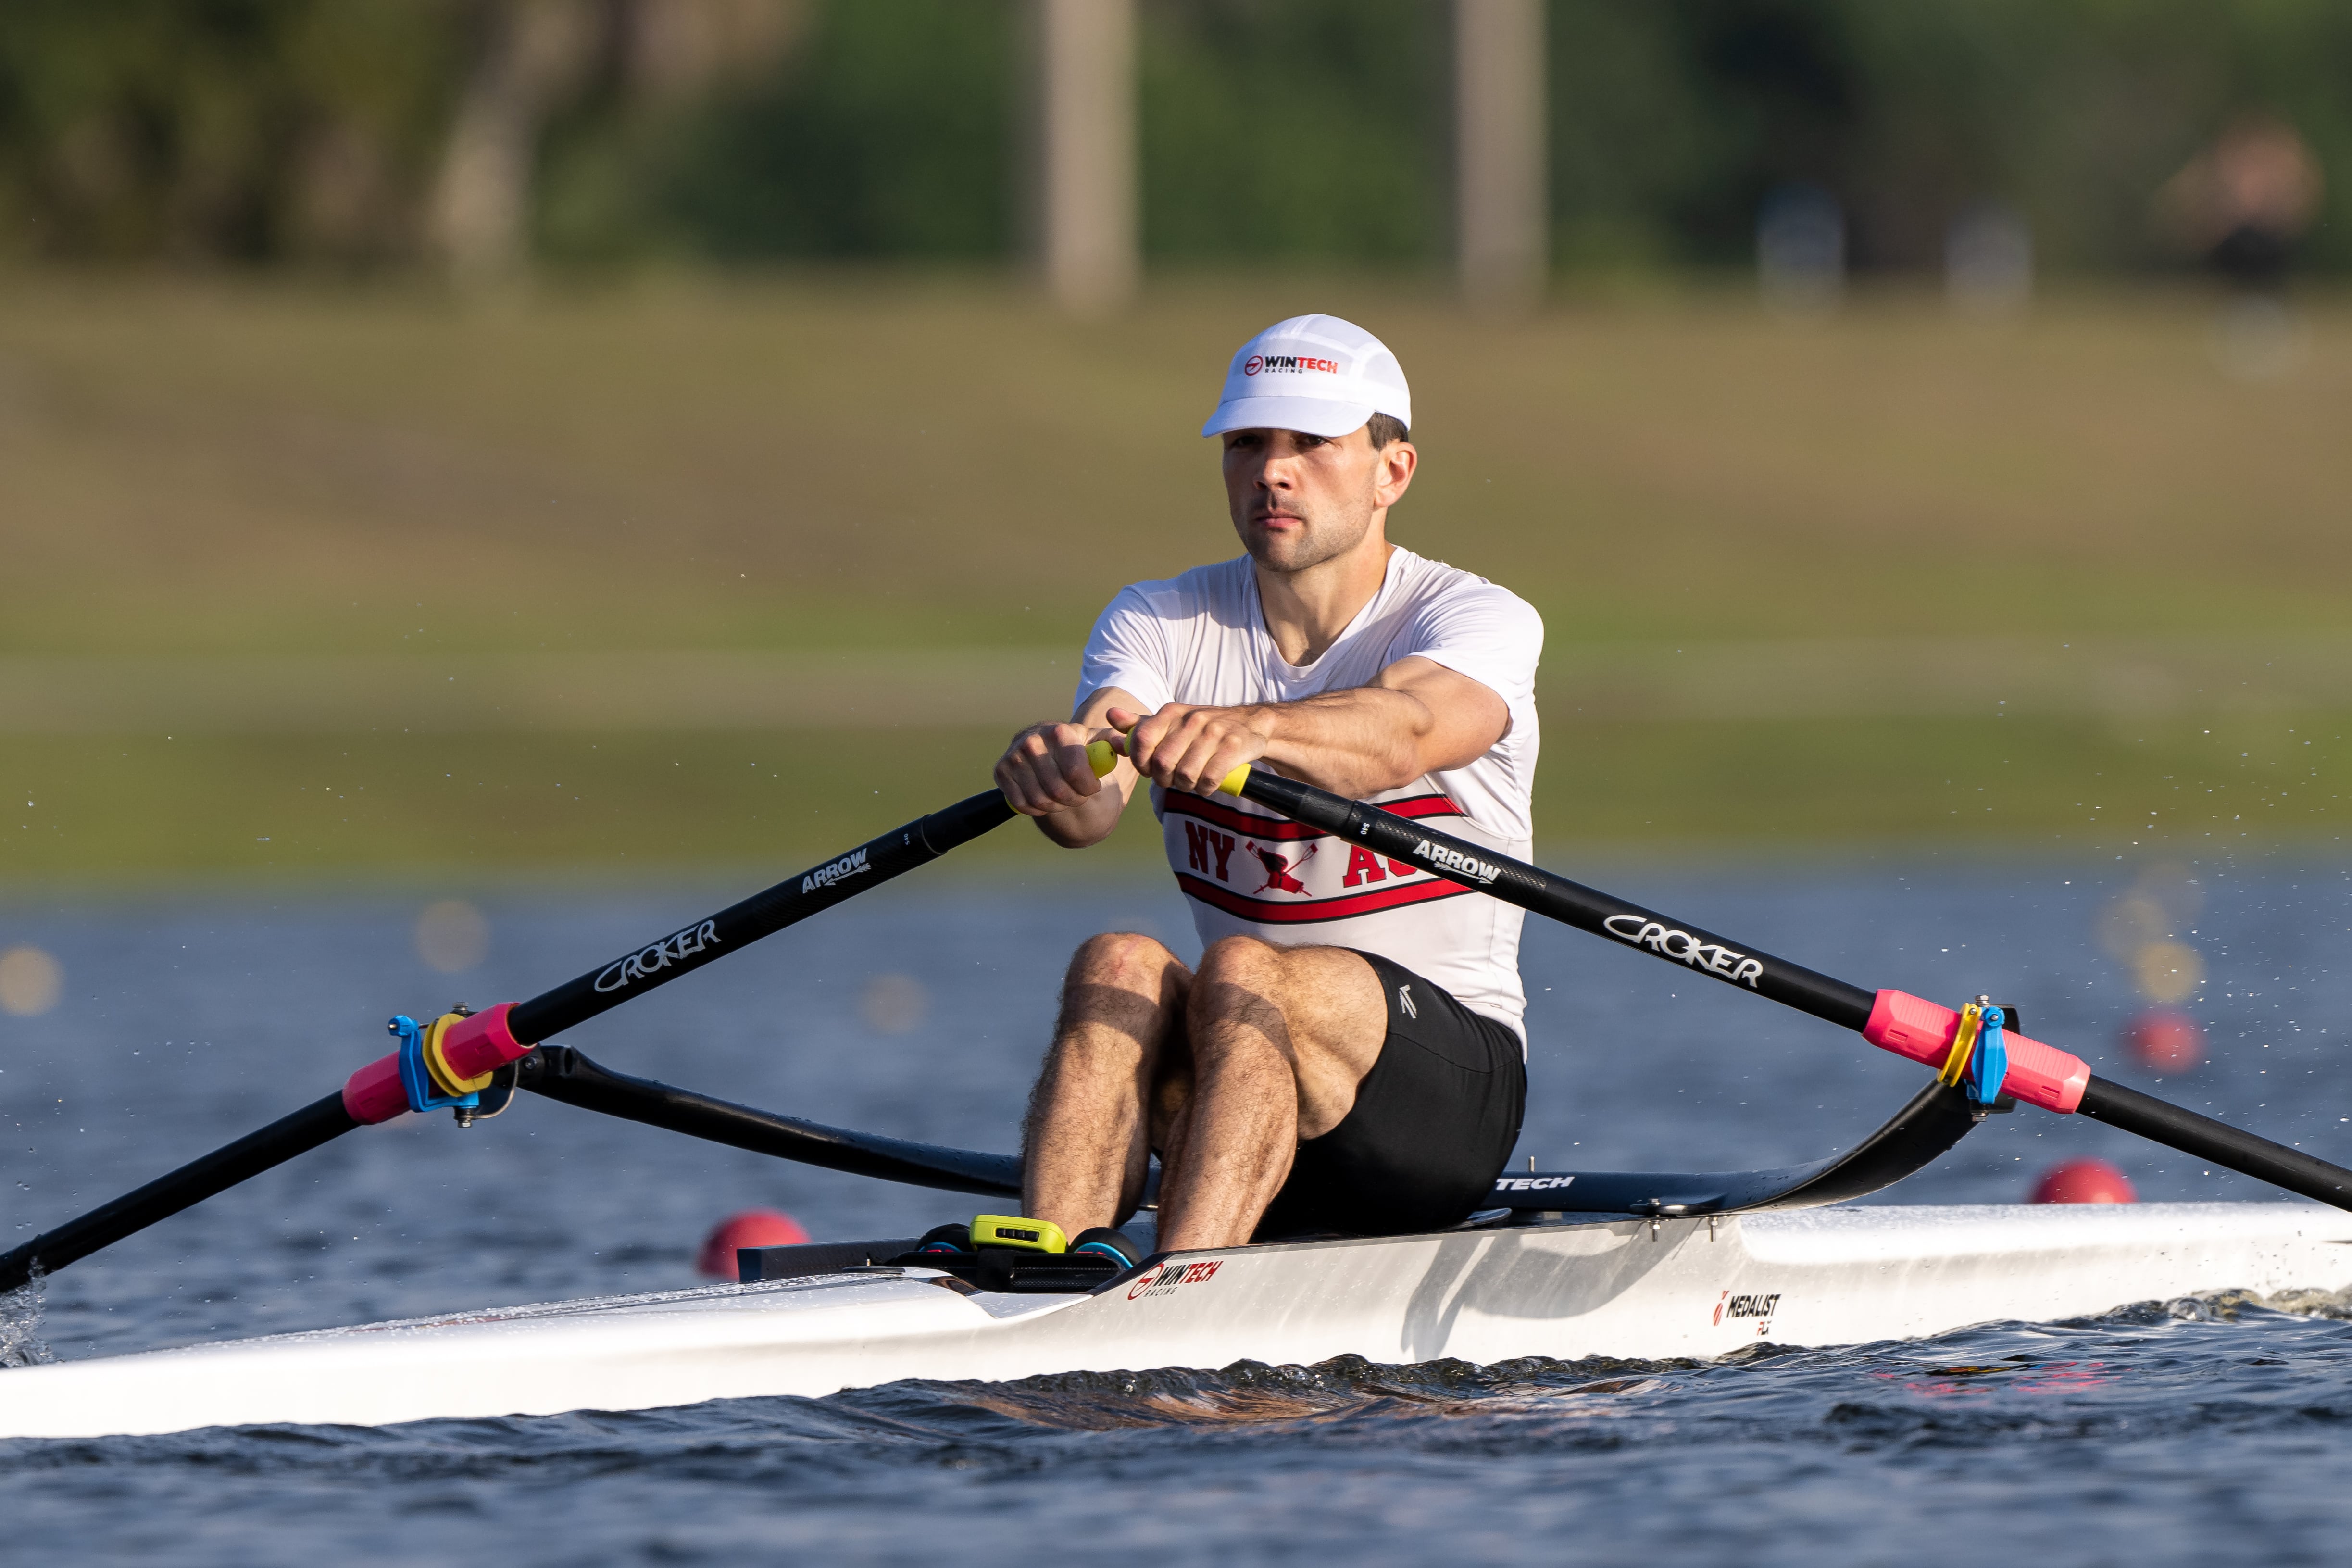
<point>1314,374</point>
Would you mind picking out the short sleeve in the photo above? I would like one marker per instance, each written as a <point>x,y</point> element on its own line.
<point>1484,632</point>
<point>1128,649</point>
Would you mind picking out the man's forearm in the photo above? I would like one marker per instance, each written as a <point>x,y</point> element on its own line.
<point>1417,719</point>
<point>1355,742</point>
<point>1083,826</point>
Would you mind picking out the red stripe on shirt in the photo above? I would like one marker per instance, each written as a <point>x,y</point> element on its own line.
<point>1267,913</point>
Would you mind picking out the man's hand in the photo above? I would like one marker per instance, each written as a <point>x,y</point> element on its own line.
<point>1417,718</point>
<point>1044,770</point>
<point>1190,750</point>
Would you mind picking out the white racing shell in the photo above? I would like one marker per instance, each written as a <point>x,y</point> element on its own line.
<point>1619,1287</point>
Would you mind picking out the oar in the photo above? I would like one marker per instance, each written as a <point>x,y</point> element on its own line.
<point>565,1074</point>
<point>457,1054</point>
<point>1893,1020</point>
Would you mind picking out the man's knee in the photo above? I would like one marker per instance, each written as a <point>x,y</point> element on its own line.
<point>1241,961</point>
<point>1119,1002</point>
<point>1125,959</point>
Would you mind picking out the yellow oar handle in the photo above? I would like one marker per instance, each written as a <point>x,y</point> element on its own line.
<point>1102,759</point>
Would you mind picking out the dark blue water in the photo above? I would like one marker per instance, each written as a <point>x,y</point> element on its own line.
<point>2163,1433</point>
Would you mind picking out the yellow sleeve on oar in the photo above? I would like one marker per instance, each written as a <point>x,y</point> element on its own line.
<point>1102,759</point>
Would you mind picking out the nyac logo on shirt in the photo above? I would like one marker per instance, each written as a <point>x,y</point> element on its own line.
<point>1205,847</point>
<point>1268,870</point>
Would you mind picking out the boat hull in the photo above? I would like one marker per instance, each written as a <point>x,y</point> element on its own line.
<point>1625,1288</point>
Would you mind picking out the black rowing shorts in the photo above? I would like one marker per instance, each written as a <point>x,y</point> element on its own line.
<point>1434,1123</point>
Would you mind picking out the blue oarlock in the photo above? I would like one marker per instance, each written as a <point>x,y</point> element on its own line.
<point>413,1076</point>
<point>1989,1066</point>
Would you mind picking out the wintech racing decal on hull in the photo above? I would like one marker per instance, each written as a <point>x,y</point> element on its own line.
<point>1165,1279</point>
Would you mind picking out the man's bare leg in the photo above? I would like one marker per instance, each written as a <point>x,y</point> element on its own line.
<point>1085,1145</point>
<point>1280,1039</point>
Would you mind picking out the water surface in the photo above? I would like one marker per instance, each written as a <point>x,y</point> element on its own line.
<point>2159,1433</point>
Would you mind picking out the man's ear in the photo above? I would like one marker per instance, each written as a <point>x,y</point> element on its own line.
<point>1398,462</point>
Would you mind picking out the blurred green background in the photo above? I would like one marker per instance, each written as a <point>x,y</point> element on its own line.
<point>747,507</point>
<point>268,132</point>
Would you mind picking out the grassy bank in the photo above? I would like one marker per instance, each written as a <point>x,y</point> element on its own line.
<point>218,478</point>
<point>311,805</point>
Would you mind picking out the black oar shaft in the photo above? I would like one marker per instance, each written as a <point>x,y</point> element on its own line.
<point>2216,1142</point>
<point>321,1122</point>
<point>763,914</point>
<point>1571,903</point>
<point>562,1073</point>
<point>1537,891</point>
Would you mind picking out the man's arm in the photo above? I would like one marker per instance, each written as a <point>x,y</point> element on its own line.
<point>1418,717</point>
<point>1045,774</point>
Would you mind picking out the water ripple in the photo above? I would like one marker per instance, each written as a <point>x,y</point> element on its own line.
<point>2200,1430</point>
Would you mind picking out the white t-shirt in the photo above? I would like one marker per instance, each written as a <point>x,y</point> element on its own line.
<point>1202,638</point>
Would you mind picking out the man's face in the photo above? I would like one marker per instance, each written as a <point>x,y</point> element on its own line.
<point>1298,500</point>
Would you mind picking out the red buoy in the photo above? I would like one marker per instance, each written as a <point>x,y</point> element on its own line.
<point>2165,1040</point>
<point>753,1227</point>
<point>2084,1182</point>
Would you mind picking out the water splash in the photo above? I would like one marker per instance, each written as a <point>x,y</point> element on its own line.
<point>20,1323</point>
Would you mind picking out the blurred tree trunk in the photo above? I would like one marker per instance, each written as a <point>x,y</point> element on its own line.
<point>526,55</point>
<point>1082,175</point>
<point>1502,215</point>
<point>529,57</point>
<point>670,50</point>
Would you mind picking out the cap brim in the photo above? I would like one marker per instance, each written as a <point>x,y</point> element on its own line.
<point>1312,416</point>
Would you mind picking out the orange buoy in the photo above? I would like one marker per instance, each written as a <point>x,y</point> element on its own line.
<point>2165,1040</point>
<point>2084,1182</point>
<point>753,1227</point>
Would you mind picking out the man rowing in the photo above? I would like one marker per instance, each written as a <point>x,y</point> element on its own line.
<point>1349,1055</point>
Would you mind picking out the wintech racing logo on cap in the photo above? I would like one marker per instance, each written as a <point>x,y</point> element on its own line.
<point>1257,363</point>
